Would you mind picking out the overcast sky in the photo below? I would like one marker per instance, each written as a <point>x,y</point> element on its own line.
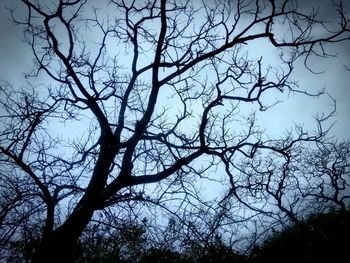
<point>16,58</point>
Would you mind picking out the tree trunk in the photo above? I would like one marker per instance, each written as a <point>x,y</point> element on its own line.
<point>59,245</point>
<point>56,247</point>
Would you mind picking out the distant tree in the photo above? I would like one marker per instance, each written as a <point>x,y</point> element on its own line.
<point>216,251</point>
<point>312,179</point>
<point>127,243</point>
<point>134,243</point>
<point>142,101</point>
<point>325,173</point>
<point>159,255</point>
<point>20,227</point>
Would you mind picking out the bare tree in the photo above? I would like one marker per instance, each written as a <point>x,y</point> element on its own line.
<point>146,98</point>
<point>326,176</point>
<point>312,179</point>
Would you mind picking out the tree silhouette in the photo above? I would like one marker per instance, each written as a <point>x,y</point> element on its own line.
<point>142,99</point>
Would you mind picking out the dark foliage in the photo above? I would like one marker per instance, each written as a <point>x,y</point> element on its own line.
<point>321,238</point>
